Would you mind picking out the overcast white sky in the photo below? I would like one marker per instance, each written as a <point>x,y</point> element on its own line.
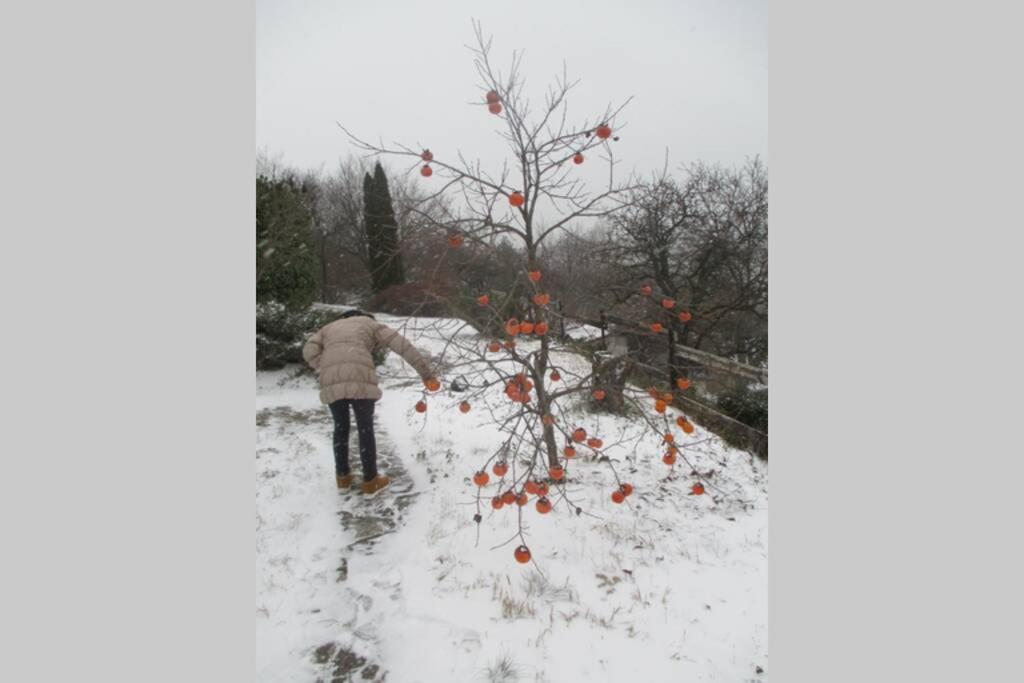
<point>400,70</point>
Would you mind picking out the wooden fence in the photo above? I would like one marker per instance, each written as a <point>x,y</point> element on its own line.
<point>709,369</point>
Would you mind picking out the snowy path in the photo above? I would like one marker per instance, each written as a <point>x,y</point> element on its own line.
<point>329,559</point>
<point>311,537</point>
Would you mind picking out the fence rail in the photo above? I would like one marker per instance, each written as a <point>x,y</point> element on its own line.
<point>732,430</point>
<point>711,360</point>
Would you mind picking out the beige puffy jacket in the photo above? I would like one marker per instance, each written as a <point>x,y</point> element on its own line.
<point>341,352</point>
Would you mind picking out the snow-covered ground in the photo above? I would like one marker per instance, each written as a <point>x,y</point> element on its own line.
<point>665,587</point>
<point>580,331</point>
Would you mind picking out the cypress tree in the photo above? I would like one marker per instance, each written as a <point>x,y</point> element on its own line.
<point>386,267</point>
<point>372,232</point>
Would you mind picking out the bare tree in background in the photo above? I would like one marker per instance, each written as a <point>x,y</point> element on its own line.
<point>703,244</point>
<point>269,165</point>
<point>344,246</point>
<point>583,275</point>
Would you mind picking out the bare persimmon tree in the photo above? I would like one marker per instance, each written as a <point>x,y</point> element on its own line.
<point>536,194</point>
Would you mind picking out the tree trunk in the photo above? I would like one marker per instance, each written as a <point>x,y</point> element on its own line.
<point>610,375</point>
<point>673,374</point>
<point>540,365</point>
<point>543,403</point>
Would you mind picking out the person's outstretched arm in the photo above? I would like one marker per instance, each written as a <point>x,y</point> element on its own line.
<point>313,348</point>
<point>400,345</point>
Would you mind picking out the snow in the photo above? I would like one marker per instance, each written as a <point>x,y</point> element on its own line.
<point>582,332</point>
<point>340,308</point>
<point>665,587</point>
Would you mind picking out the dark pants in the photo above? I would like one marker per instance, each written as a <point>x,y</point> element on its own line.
<point>363,408</point>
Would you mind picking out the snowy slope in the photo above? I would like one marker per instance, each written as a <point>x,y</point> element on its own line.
<point>666,587</point>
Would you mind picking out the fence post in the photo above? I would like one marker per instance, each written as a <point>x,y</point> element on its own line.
<point>609,368</point>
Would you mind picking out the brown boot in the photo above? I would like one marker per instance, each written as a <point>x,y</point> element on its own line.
<point>345,482</point>
<point>376,484</point>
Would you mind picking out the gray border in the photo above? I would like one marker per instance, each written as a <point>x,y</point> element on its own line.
<point>126,502</point>
<point>896,148</point>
